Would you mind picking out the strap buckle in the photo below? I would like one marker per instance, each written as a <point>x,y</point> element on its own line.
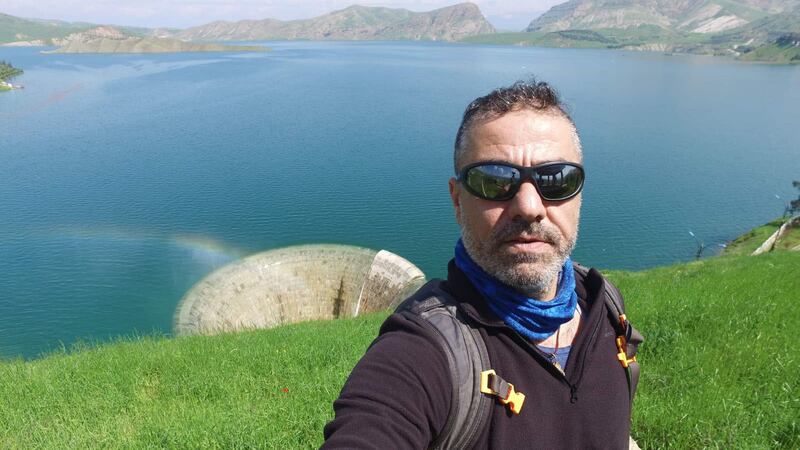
<point>622,356</point>
<point>622,344</point>
<point>492,384</point>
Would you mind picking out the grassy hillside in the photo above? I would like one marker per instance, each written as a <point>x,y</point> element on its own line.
<point>748,242</point>
<point>785,49</point>
<point>720,368</point>
<point>18,29</point>
<point>644,37</point>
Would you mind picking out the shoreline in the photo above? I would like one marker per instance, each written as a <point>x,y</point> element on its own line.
<point>6,86</point>
<point>466,41</point>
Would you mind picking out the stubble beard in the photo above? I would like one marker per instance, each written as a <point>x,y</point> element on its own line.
<point>530,273</point>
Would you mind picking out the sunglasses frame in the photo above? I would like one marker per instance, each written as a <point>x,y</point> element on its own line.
<point>526,173</point>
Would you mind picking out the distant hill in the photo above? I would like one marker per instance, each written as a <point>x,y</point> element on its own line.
<point>754,30</point>
<point>16,29</point>
<point>107,39</point>
<point>355,23</point>
<point>694,16</point>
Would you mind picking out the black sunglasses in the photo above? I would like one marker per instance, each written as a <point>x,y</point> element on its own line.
<point>555,181</point>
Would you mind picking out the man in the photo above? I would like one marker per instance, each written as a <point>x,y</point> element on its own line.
<point>546,325</point>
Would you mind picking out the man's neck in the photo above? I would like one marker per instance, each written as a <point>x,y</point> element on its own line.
<point>543,295</point>
<point>566,336</point>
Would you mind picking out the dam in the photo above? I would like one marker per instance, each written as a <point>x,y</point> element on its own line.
<point>295,284</point>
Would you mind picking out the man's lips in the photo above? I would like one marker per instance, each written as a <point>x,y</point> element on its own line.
<point>528,243</point>
<point>527,240</point>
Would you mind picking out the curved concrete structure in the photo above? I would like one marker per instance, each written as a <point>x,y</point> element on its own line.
<point>293,284</point>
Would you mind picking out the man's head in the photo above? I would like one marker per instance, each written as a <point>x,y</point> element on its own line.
<point>522,241</point>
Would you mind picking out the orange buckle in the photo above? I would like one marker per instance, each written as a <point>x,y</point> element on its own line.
<point>622,356</point>
<point>512,398</point>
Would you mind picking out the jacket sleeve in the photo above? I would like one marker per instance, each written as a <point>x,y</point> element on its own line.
<point>398,395</point>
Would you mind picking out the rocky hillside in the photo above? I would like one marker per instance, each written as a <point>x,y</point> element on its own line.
<point>106,39</point>
<point>355,23</point>
<point>694,16</point>
<point>754,30</point>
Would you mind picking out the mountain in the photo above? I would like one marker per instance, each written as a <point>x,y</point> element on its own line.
<point>16,29</point>
<point>720,27</point>
<point>694,16</point>
<point>106,39</point>
<point>355,23</point>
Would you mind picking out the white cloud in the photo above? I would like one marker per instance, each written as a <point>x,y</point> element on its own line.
<point>184,13</point>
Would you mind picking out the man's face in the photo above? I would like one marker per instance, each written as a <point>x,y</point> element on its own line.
<point>524,241</point>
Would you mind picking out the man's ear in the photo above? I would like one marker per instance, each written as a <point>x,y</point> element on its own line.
<point>454,197</point>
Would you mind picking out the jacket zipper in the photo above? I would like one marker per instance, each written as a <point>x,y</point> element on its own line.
<point>573,388</point>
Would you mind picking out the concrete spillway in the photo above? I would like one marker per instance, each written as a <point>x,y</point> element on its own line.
<point>293,284</point>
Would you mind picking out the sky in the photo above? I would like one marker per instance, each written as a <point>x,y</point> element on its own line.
<point>504,14</point>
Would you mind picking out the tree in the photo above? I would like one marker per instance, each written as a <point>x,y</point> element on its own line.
<point>8,72</point>
<point>794,205</point>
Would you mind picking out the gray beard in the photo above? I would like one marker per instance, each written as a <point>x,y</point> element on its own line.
<point>532,274</point>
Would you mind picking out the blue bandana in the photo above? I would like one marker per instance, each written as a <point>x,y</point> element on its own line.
<point>532,318</point>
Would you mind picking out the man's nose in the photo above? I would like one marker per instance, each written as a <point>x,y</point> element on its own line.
<point>528,205</point>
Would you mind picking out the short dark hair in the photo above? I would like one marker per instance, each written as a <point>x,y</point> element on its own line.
<point>533,95</point>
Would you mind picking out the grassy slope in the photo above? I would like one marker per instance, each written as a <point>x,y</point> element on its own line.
<point>647,37</point>
<point>774,53</point>
<point>10,26</point>
<point>721,365</point>
<point>599,38</point>
<point>220,392</point>
<point>748,242</point>
<point>720,369</point>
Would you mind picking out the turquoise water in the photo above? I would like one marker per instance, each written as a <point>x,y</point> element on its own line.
<point>125,179</point>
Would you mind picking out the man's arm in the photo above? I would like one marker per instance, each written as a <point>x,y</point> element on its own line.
<point>398,395</point>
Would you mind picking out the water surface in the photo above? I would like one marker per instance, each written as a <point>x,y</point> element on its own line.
<point>124,179</point>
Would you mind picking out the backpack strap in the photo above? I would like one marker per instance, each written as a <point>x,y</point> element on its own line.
<point>467,357</point>
<point>628,337</point>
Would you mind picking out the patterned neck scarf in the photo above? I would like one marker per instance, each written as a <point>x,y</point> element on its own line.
<point>532,318</point>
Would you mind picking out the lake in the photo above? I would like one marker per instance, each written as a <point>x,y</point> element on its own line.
<point>124,179</point>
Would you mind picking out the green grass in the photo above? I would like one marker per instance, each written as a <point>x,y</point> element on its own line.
<point>775,53</point>
<point>721,361</point>
<point>720,369</point>
<point>260,389</point>
<point>790,240</point>
<point>561,39</point>
<point>748,242</point>
<point>613,38</point>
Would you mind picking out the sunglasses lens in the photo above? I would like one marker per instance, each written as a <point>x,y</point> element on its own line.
<point>492,181</point>
<point>559,181</point>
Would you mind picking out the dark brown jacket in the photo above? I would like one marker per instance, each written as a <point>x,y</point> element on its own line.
<point>398,395</point>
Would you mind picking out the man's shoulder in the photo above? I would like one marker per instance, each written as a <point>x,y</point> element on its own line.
<point>430,296</point>
<point>591,283</point>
